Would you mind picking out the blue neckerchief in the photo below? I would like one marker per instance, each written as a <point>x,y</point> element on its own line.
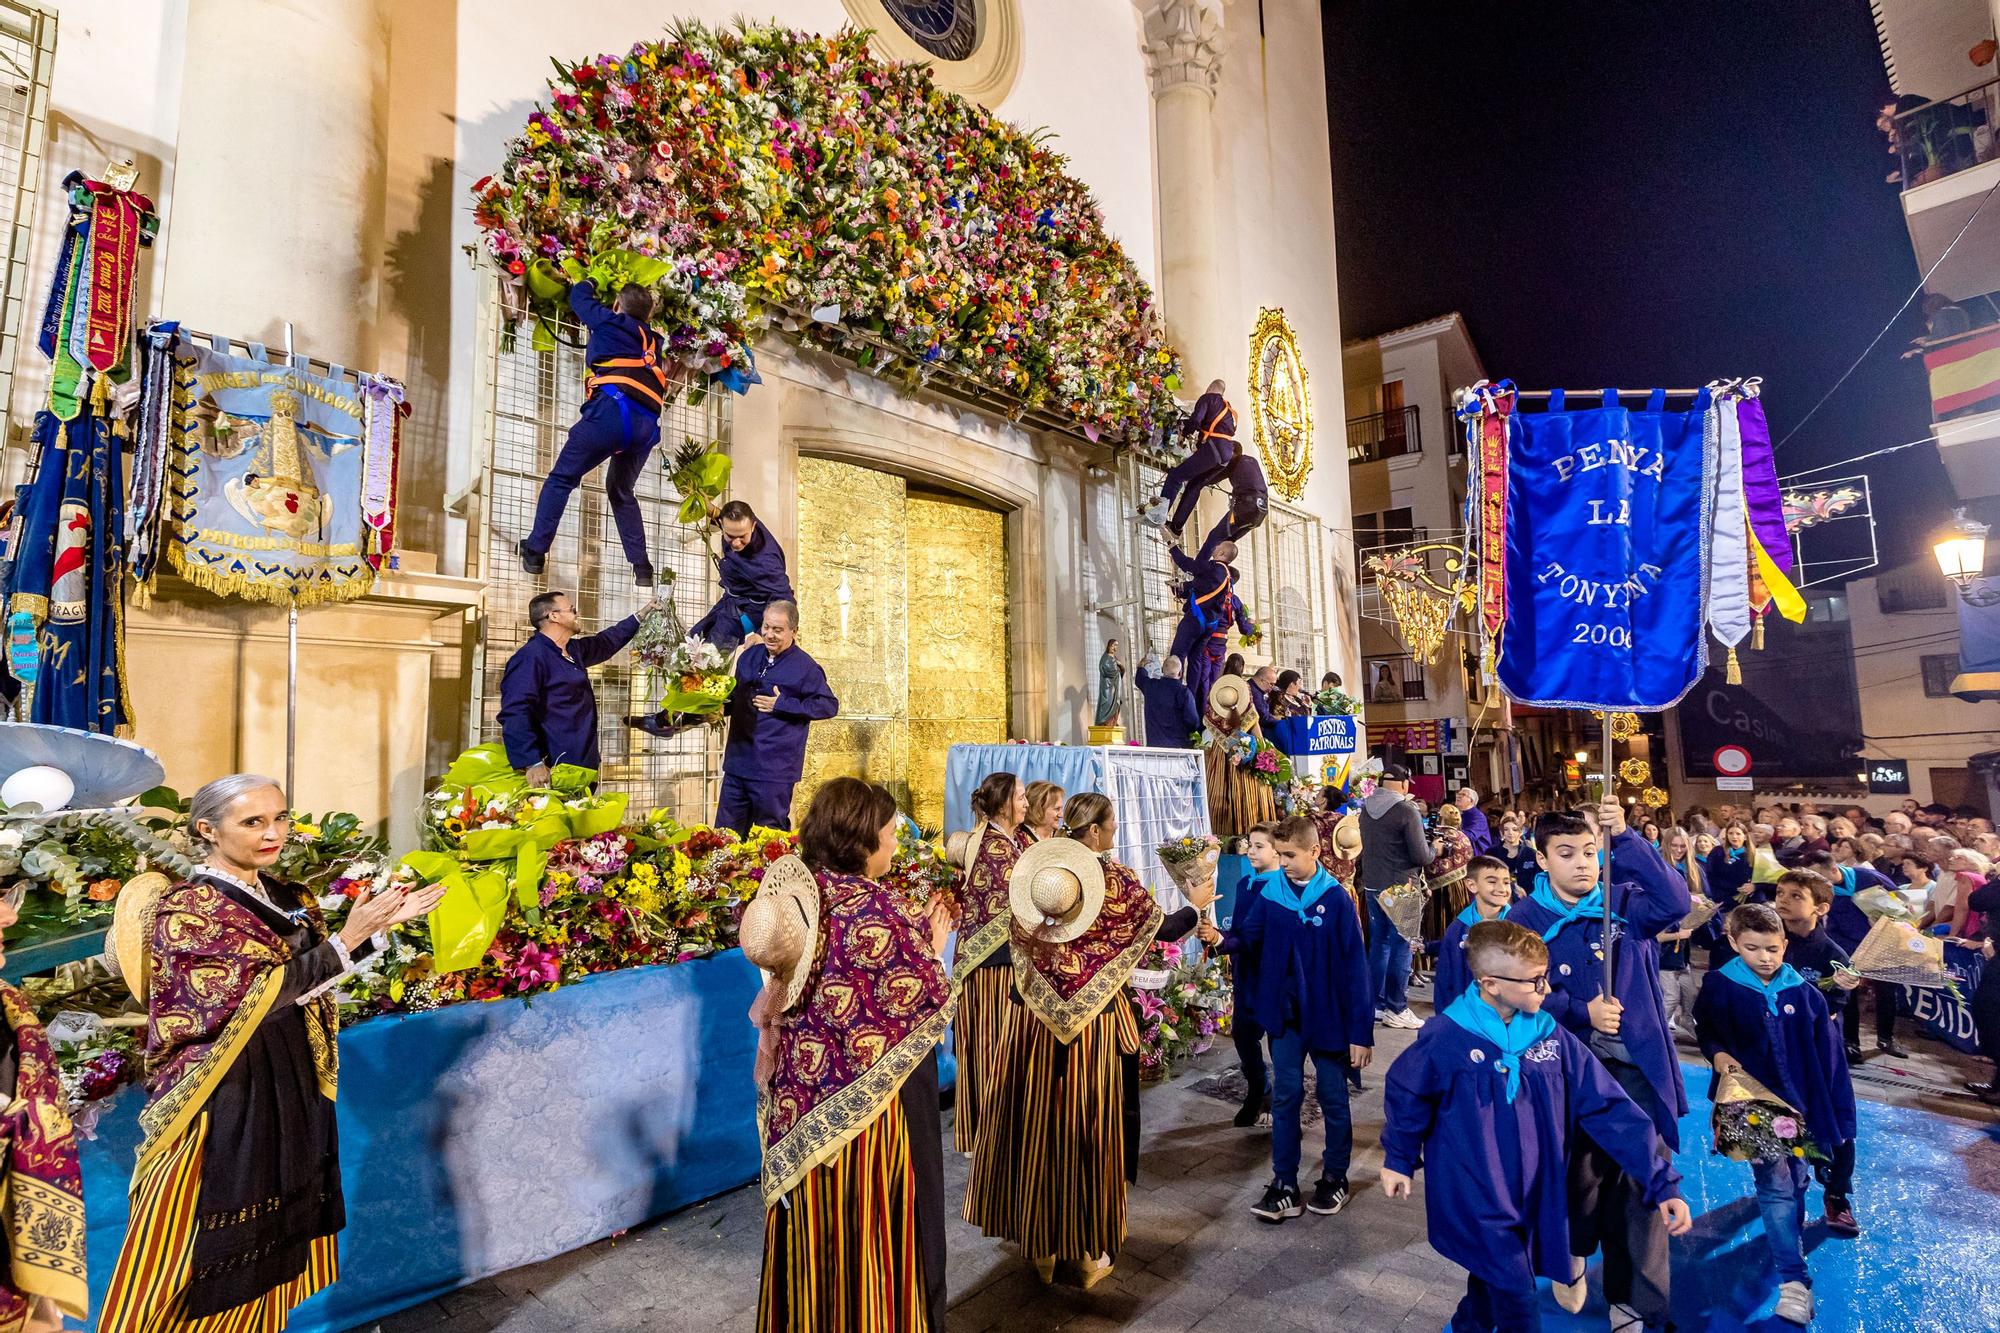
<point>1845,889</point>
<point>1470,916</point>
<point>1737,853</point>
<point>1739,972</point>
<point>1299,898</point>
<point>1513,1038</point>
<point>1590,907</point>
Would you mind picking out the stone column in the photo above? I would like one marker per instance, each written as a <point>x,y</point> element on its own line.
<point>1184,56</point>
<point>279,174</point>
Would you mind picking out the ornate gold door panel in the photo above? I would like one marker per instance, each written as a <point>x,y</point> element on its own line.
<point>903,599</point>
<point>958,639</point>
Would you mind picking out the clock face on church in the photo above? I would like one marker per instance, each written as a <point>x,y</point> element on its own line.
<point>972,46</point>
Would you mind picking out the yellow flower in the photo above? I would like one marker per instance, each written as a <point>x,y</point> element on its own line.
<point>304,831</point>
<point>1798,1152</point>
<point>1752,1119</point>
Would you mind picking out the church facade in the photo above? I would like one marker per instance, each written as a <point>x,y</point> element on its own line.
<point>960,563</point>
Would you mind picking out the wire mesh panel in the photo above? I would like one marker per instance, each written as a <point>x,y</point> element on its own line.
<point>1289,561</point>
<point>1153,609</point>
<point>532,399</point>
<point>27,59</point>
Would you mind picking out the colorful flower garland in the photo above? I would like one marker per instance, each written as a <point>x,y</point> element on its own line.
<point>761,177</point>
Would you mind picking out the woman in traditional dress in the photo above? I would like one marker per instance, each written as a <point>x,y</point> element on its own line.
<point>41,1180</point>
<point>236,1199</point>
<point>1110,685</point>
<point>982,966</point>
<point>1238,799</point>
<point>850,1021</point>
<point>1045,803</point>
<point>1060,1141</point>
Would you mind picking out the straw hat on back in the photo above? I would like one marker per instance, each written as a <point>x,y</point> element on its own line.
<point>780,928</point>
<point>1056,890</point>
<point>132,930</point>
<point>1229,696</point>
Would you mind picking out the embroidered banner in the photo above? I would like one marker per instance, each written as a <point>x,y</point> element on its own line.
<point>1606,555</point>
<point>1493,512</point>
<point>266,491</point>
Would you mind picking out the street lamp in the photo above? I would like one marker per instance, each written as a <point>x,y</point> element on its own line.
<point>1583,756</point>
<point>1961,551</point>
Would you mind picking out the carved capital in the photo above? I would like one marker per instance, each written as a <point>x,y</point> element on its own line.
<point>1183,43</point>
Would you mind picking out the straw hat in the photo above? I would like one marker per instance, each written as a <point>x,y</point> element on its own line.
<point>132,930</point>
<point>1056,890</point>
<point>780,928</point>
<point>958,848</point>
<point>1347,835</point>
<point>1229,695</point>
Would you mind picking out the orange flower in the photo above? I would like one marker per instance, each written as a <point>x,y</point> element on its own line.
<point>103,890</point>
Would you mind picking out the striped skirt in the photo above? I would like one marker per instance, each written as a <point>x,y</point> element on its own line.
<point>153,1266</point>
<point>975,1040</point>
<point>841,1251</point>
<point>1050,1170</point>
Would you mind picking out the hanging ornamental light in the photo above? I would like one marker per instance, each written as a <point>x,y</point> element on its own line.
<point>1635,772</point>
<point>1422,604</point>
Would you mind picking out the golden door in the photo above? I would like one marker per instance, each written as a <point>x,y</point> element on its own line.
<point>903,599</point>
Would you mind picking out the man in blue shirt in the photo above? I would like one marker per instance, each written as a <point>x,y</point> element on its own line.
<point>752,573</point>
<point>1171,716</point>
<point>626,390</point>
<point>1262,685</point>
<point>780,691</point>
<point>548,712</point>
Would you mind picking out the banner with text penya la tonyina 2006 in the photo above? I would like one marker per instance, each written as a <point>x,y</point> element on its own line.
<point>1607,527</point>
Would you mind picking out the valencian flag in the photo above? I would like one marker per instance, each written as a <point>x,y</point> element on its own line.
<point>66,587</point>
<point>1622,534</point>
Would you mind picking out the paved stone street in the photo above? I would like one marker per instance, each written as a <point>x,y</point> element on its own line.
<point>1196,1258</point>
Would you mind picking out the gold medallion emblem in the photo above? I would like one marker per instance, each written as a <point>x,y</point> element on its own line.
<point>1280,404</point>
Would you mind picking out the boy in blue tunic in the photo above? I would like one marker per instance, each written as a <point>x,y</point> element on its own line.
<point>1492,894</point>
<point>1804,900</point>
<point>1310,996</point>
<point>1493,1089</point>
<point>1757,1015</point>
<point>1847,925</point>
<point>1626,1029</point>
<point>1247,1036</point>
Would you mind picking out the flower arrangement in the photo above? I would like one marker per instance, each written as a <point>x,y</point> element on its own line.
<point>1189,860</point>
<point>1336,701</point>
<point>1756,1130</point>
<point>1260,757</point>
<point>759,178</point>
<point>919,871</point>
<point>1300,796</point>
<point>1179,1018</point>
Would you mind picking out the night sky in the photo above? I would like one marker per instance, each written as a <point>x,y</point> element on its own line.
<point>1641,195</point>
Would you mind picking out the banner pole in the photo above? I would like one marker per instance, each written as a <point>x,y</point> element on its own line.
<point>1610,794</point>
<point>291,660</point>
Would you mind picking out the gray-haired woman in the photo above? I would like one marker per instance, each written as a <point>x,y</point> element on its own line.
<point>240,1057</point>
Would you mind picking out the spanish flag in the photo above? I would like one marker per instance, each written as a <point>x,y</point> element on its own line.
<point>1965,371</point>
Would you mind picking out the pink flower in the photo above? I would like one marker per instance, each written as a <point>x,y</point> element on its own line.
<point>535,966</point>
<point>1785,1127</point>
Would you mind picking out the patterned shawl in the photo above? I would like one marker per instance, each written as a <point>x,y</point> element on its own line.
<point>1067,985</point>
<point>1339,866</point>
<point>217,970</point>
<point>986,915</point>
<point>41,1202</point>
<point>876,1004</point>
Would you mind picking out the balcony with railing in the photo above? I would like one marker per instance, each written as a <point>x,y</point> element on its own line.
<point>1948,158</point>
<point>1381,435</point>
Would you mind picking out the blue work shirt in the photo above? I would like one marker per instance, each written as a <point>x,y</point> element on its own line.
<point>1647,897</point>
<point>771,747</point>
<point>548,712</point>
<point>755,576</point>
<point>1498,1204</point>
<point>1171,717</point>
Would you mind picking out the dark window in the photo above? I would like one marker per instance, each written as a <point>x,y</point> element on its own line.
<point>948,29</point>
<point>1939,670</point>
<point>1913,589</point>
<point>1391,527</point>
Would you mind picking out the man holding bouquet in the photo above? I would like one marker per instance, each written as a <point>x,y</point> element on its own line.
<point>780,692</point>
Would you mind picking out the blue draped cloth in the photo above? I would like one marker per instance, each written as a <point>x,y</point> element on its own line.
<point>1607,556</point>
<point>480,1137</point>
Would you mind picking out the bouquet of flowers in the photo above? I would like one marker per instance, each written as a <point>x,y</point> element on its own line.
<point>1700,910</point>
<point>699,681</point>
<point>1336,701</point>
<point>1300,796</point>
<point>1752,1124</point>
<point>1260,757</point>
<point>919,871</point>
<point>93,1059</point>
<point>1190,860</point>
<point>1181,1014</point>
<point>1898,952</point>
<point>1403,904</point>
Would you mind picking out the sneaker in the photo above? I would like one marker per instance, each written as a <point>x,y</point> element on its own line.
<point>1890,1046</point>
<point>1624,1319</point>
<point>661,724</point>
<point>1402,1018</point>
<point>1854,1052</point>
<point>1795,1303</point>
<point>532,561</point>
<point>1570,1295</point>
<point>1982,1089</point>
<point>1420,981</point>
<point>1839,1219</point>
<point>1279,1202</point>
<point>642,576</point>
<point>1329,1197</point>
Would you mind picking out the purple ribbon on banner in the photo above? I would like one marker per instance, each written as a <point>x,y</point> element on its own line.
<point>1760,484</point>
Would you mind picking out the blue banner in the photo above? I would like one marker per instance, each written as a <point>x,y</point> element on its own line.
<point>1978,641</point>
<point>1607,554</point>
<point>1946,1016</point>
<point>1333,734</point>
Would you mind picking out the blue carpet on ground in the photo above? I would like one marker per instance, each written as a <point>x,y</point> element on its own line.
<point>1927,1195</point>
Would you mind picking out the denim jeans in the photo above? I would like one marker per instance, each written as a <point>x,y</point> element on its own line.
<point>1288,1095</point>
<point>1388,959</point>
<point>1248,1039</point>
<point>1491,1309</point>
<point>1781,1202</point>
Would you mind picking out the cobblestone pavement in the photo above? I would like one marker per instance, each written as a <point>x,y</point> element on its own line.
<point>1196,1258</point>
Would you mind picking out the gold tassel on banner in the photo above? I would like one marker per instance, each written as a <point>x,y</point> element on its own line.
<point>1733,674</point>
<point>1757,634</point>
